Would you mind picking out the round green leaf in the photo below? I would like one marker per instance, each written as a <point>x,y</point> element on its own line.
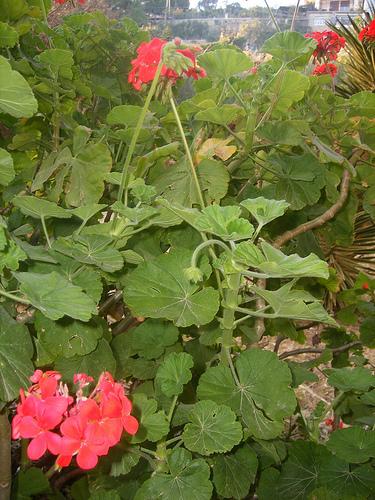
<point>160,289</point>
<point>16,351</point>
<point>264,397</point>
<point>67,338</point>
<point>16,96</point>
<point>212,429</point>
<point>39,208</point>
<point>353,444</point>
<point>7,172</point>
<point>234,473</point>
<point>174,373</point>
<point>187,480</point>
<point>224,63</point>
<point>95,363</point>
<point>351,379</point>
<point>288,46</point>
<point>264,210</point>
<point>224,222</point>
<point>55,296</point>
<point>367,332</point>
<point>152,337</point>
<point>153,424</point>
<point>8,36</point>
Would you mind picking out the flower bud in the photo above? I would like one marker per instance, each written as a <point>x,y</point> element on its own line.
<point>193,274</point>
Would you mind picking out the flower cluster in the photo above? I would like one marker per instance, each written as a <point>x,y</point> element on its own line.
<point>328,46</point>
<point>368,32</point>
<point>61,2</point>
<point>149,55</point>
<point>66,426</point>
<point>325,69</point>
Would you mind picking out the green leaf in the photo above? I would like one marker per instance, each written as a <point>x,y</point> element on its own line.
<point>39,208</point>
<point>353,444</point>
<point>95,363</point>
<point>310,466</point>
<point>86,212</point>
<point>289,87</point>
<point>8,36</point>
<point>16,96</point>
<point>126,115</point>
<point>213,428</point>
<point>264,397</point>
<point>159,289</point>
<point>16,351</point>
<point>91,249</point>
<point>351,379</point>
<point>221,115</point>
<point>55,296</point>
<point>362,104</point>
<point>174,373</point>
<point>88,170</point>
<point>264,210</point>
<point>224,63</point>
<point>128,460</point>
<point>294,304</point>
<point>152,337</point>
<point>176,184</point>
<point>30,483</point>
<point>153,424</point>
<point>234,473</point>
<point>288,46</point>
<point>7,172</point>
<point>279,264</point>
<point>67,338</point>
<point>288,132</point>
<point>224,222</point>
<point>302,178</point>
<point>60,62</point>
<point>367,332</point>
<point>187,480</point>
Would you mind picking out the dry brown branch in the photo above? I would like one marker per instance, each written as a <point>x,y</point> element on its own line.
<point>319,350</point>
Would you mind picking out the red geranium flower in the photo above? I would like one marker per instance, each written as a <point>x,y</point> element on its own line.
<point>82,439</point>
<point>368,32</point>
<point>365,286</point>
<point>329,44</point>
<point>147,61</point>
<point>325,69</point>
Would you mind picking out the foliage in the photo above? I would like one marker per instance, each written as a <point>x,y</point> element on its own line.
<point>142,240</point>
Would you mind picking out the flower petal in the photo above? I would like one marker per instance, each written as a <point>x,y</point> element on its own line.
<point>37,447</point>
<point>86,458</point>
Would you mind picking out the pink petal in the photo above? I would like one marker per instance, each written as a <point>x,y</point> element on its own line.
<point>89,409</point>
<point>72,427</point>
<point>37,447</point>
<point>69,446</point>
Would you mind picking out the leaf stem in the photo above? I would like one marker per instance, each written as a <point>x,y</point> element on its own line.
<point>187,151</point>
<point>236,94</point>
<point>203,245</point>
<point>45,231</point>
<point>232,368</point>
<point>14,297</point>
<point>171,409</point>
<point>124,181</point>
<point>173,440</point>
<point>149,452</point>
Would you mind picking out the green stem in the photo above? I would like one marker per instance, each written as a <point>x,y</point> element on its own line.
<point>187,151</point>
<point>202,246</point>
<point>14,297</point>
<point>236,95</point>
<point>5,457</point>
<point>228,324</point>
<point>232,368</point>
<point>44,12</point>
<point>124,182</point>
<point>252,274</point>
<point>149,452</point>
<point>272,17</point>
<point>171,410</point>
<point>256,314</point>
<point>173,440</point>
<point>45,231</point>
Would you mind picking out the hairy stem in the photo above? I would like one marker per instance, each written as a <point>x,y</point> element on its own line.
<point>228,322</point>
<point>124,181</point>
<point>11,296</point>
<point>5,457</point>
<point>187,151</point>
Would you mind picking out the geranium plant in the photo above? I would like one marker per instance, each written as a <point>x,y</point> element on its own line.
<point>165,210</point>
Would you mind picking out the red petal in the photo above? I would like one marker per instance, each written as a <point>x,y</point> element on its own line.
<point>89,410</point>
<point>37,447</point>
<point>63,460</point>
<point>28,427</point>
<point>130,424</point>
<point>69,446</point>
<point>53,442</point>
<point>73,428</point>
<point>86,459</point>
